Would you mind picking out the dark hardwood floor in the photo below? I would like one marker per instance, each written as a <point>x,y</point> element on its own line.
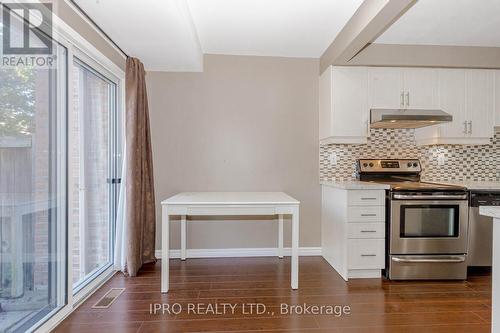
<point>376,305</point>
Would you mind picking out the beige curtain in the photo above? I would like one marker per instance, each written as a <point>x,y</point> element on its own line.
<point>140,207</point>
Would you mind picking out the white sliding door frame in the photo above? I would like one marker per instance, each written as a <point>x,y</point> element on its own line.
<point>78,46</point>
<point>114,141</point>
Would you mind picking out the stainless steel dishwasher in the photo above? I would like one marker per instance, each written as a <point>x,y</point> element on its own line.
<point>481,227</point>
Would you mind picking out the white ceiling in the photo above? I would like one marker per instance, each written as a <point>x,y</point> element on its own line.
<point>171,35</point>
<point>159,32</point>
<point>447,22</point>
<point>288,28</point>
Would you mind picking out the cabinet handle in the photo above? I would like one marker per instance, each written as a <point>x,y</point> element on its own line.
<point>368,231</point>
<point>368,198</point>
<point>368,255</point>
<point>402,99</point>
<point>470,126</point>
<point>368,214</point>
<point>408,99</point>
<point>465,127</point>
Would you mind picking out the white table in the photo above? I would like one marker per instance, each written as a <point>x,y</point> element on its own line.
<point>229,203</point>
<point>494,212</point>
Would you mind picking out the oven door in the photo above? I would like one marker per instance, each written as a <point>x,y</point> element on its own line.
<point>429,226</point>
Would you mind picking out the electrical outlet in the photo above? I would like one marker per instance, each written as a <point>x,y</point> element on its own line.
<point>333,159</point>
<point>441,159</point>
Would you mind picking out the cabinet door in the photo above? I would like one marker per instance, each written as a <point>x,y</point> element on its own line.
<point>386,87</point>
<point>420,86</point>
<point>497,98</point>
<point>480,92</point>
<point>325,103</point>
<point>350,109</point>
<point>452,100</point>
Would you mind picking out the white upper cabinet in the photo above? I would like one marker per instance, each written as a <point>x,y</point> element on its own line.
<point>420,88</point>
<point>343,104</point>
<point>497,98</point>
<point>452,101</point>
<point>386,88</point>
<point>480,103</point>
<point>402,88</point>
<point>469,96</point>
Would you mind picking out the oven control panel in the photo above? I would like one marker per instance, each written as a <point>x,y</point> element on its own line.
<point>392,166</point>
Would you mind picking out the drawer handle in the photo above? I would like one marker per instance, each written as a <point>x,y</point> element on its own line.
<point>368,230</point>
<point>368,214</point>
<point>368,198</point>
<point>368,255</point>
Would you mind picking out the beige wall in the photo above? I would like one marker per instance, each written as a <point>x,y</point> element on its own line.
<point>244,124</point>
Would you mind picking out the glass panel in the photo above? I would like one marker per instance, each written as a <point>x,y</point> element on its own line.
<point>429,221</point>
<point>90,171</point>
<point>32,202</point>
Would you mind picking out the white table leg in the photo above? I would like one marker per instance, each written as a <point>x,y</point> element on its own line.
<point>495,292</point>
<point>183,237</point>
<point>295,248</point>
<point>280,236</point>
<point>165,225</point>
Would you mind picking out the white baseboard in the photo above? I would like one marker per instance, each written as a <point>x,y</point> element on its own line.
<point>240,252</point>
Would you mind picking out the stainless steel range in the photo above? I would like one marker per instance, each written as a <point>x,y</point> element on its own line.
<point>427,223</point>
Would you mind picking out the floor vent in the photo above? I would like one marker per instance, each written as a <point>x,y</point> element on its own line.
<point>108,299</point>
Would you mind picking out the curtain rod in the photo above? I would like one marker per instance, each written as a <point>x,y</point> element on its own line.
<point>73,2</point>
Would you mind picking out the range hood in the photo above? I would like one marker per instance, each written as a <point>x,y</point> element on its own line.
<point>407,118</point>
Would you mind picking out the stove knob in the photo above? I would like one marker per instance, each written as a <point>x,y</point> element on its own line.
<point>365,165</point>
<point>371,165</point>
<point>409,164</point>
<point>415,164</point>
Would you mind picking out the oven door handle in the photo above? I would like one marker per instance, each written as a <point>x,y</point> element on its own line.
<point>425,197</point>
<point>450,259</point>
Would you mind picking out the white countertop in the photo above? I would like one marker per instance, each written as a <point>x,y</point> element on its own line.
<point>355,185</point>
<point>474,185</point>
<point>230,198</point>
<point>491,211</point>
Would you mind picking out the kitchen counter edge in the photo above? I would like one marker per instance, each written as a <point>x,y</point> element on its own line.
<point>355,185</point>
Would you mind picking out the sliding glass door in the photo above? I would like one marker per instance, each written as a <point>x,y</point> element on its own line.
<point>32,193</point>
<point>92,179</point>
<point>60,130</point>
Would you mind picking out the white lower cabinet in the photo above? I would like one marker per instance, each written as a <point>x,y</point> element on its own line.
<point>365,230</point>
<point>366,254</point>
<point>353,231</point>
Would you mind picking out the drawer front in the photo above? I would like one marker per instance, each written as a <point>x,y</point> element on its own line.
<point>366,214</point>
<point>366,230</point>
<point>366,253</point>
<point>366,198</point>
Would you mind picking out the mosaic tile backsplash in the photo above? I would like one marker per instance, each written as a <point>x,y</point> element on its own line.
<point>477,163</point>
